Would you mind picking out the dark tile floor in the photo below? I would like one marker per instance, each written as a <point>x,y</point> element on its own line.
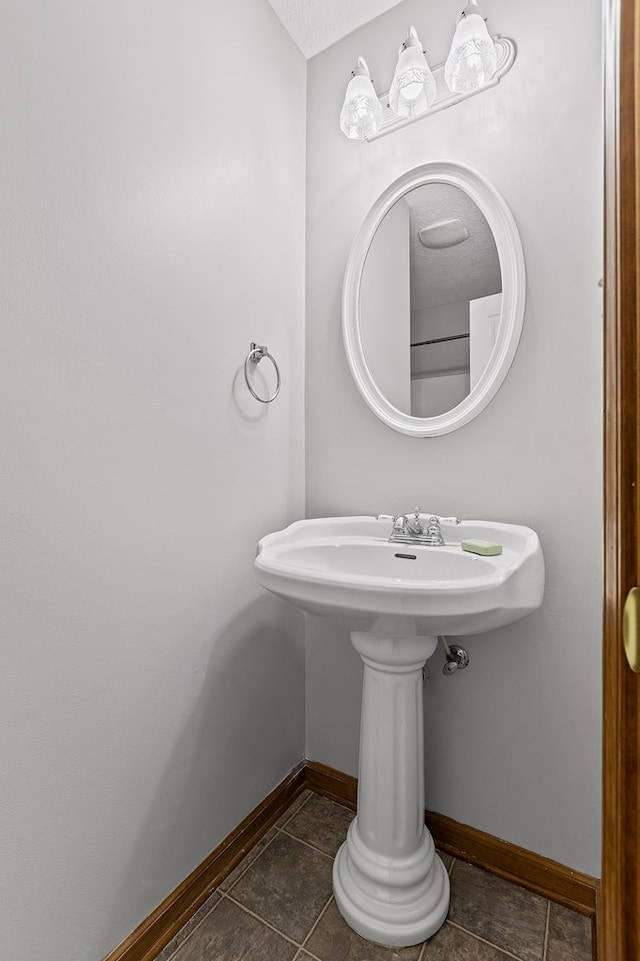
<point>277,906</point>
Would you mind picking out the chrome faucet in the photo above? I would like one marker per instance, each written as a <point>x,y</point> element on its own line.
<point>405,525</point>
<point>408,530</point>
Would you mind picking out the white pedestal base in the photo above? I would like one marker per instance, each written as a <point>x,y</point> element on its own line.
<point>389,884</point>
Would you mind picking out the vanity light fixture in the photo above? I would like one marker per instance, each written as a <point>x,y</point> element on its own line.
<point>361,113</point>
<point>413,88</point>
<point>472,59</point>
<point>476,61</point>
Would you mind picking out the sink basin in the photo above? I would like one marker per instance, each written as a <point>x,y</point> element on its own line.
<point>396,598</point>
<point>345,567</point>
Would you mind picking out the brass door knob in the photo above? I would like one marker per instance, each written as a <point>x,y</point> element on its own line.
<point>630,624</point>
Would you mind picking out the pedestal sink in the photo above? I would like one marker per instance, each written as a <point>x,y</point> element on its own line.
<point>395,599</point>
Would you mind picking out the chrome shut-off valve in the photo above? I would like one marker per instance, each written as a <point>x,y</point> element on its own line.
<point>457,658</point>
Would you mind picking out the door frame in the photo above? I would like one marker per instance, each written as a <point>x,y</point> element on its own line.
<point>619,938</point>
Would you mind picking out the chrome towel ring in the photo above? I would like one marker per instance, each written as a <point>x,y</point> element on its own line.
<point>254,356</point>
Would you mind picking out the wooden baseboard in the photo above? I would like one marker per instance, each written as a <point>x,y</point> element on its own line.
<point>148,939</point>
<point>541,875</point>
<point>330,783</point>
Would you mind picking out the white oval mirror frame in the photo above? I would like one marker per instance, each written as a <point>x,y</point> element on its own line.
<point>509,247</point>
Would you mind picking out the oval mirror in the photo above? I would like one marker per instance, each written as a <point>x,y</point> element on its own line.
<point>433,299</point>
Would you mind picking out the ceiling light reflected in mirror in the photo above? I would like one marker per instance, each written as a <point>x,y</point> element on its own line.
<point>447,233</point>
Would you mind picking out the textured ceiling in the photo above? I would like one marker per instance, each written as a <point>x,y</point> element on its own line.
<point>316,24</point>
<point>464,272</point>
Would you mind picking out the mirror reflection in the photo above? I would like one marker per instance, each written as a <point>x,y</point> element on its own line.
<point>430,300</point>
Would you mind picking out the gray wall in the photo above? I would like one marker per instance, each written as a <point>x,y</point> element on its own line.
<point>150,693</point>
<point>513,744</point>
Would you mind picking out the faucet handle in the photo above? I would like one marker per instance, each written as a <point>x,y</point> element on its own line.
<point>434,532</point>
<point>438,518</point>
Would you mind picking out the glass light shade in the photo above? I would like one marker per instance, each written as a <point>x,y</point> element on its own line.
<point>472,59</point>
<point>361,113</point>
<point>413,87</point>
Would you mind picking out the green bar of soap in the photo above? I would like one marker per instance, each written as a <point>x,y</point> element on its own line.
<point>488,548</point>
